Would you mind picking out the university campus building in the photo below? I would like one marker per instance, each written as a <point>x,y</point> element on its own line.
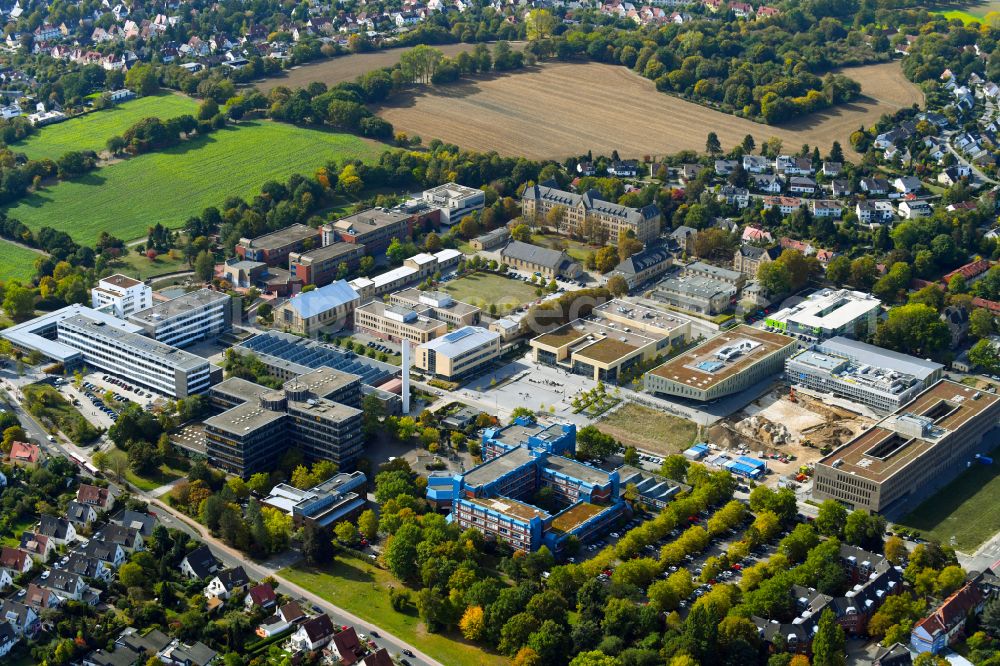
<point>521,459</point>
<point>589,209</point>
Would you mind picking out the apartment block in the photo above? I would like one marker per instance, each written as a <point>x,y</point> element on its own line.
<point>121,295</point>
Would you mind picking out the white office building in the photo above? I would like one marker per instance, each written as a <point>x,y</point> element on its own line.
<point>879,378</point>
<point>828,313</point>
<point>124,351</point>
<point>454,201</point>
<point>182,321</point>
<point>121,295</point>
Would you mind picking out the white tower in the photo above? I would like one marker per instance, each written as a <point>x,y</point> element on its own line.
<point>406,376</point>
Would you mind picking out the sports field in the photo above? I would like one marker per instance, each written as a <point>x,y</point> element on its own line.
<point>484,289</point>
<point>561,109</point>
<point>16,262</point>
<point>967,509</point>
<point>91,131</point>
<point>169,186</point>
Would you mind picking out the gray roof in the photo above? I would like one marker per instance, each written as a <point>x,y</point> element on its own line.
<point>532,254</point>
<point>497,467</point>
<point>331,251</point>
<point>756,252</point>
<point>644,259</point>
<point>461,340</point>
<point>179,306</point>
<point>714,271</point>
<point>38,333</point>
<point>591,200</point>
<point>867,354</point>
<point>280,238</point>
<point>167,354</point>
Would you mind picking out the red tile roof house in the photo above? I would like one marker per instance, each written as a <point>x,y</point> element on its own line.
<point>262,596</point>
<point>946,625</point>
<point>346,646</point>
<point>25,454</point>
<point>99,498</point>
<point>15,559</point>
<point>971,271</point>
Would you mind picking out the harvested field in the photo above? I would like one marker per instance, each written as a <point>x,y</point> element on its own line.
<point>562,109</point>
<point>348,67</point>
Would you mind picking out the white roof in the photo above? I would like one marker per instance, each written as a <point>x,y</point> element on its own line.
<point>447,255</point>
<point>461,340</point>
<point>323,299</point>
<point>816,312</point>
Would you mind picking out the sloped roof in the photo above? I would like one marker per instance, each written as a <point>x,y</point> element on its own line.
<point>324,299</point>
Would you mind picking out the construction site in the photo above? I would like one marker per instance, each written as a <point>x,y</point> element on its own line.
<point>791,429</point>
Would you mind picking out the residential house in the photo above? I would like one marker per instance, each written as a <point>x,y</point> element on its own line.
<point>896,654</point>
<point>312,634</point>
<point>832,169</point>
<point>86,566</point>
<point>734,196</point>
<point>227,583</point>
<point>39,598</point>
<point>683,238</point>
<point>261,596</point>
<point>907,184</point>
<point>801,185</point>
<point>787,205</point>
<point>129,538</point>
<point>752,234</point>
<point>756,164</point>
<point>690,172</point>
<point>110,553</point>
<point>200,563</point>
<point>287,616</point>
<point>15,559</point>
<point>80,514</point>
<point>379,657</point>
<point>585,168</point>
<point>825,208</point>
<point>66,584</point>
<point>874,212</point>
<point>724,167</point>
<point>346,646</point>
<point>39,545</point>
<point>748,258</point>
<point>972,271</point>
<point>99,498</point>
<point>788,166</point>
<point>182,654</point>
<point>59,529</point>
<point>767,183</point>
<point>624,169</point>
<point>138,520</point>
<point>875,186</point>
<point>22,619</point>
<point>8,638</point>
<point>840,188</point>
<point>946,625</point>
<point>954,174</point>
<point>911,210</point>
<point>24,454</point>
<point>6,578</point>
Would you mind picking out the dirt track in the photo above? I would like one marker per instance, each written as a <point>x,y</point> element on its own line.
<point>347,68</point>
<point>563,109</point>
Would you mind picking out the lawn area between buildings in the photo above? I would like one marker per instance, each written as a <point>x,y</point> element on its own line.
<point>483,289</point>
<point>169,186</point>
<point>576,250</point>
<point>51,409</point>
<point>363,589</point>
<point>141,267</point>
<point>967,509</point>
<point>165,474</point>
<point>13,540</point>
<point>16,262</point>
<point>92,131</point>
<point>649,429</point>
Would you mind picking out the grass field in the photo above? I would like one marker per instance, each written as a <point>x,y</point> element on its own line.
<point>963,16</point>
<point>484,289</point>
<point>649,429</point>
<point>16,262</point>
<point>91,132</point>
<point>968,509</point>
<point>141,267</point>
<point>348,67</point>
<point>363,590</point>
<point>169,186</point>
<point>164,475</point>
<point>576,250</point>
<point>525,113</point>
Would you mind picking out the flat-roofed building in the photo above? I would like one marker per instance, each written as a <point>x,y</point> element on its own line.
<point>728,363</point>
<point>495,497</point>
<point>331,306</point>
<point>909,455</point>
<point>696,294</point>
<point>316,412</point>
<point>454,201</point>
<point>440,305</point>
<point>325,504</point>
<point>458,354</point>
<point>397,322</point>
<point>273,248</point>
<point>828,313</point>
<point>126,353</point>
<point>879,378</point>
<point>617,338</point>
<point>717,273</point>
<point>41,334</point>
<point>323,265</point>
<point>580,210</point>
<point>374,228</point>
<point>198,315</point>
<point>121,294</point>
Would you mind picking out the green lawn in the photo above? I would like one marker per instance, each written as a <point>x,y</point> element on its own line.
<point>363,590</point>
<point>576,250</point>
<point>141,267</point>
<point>169,186</point>
<point>91,131</point>
<point>47,404</point>
<point>13,540</point>
<point>166,474</point>
<point>962,15</point>
<point>968,509</point>
<point>16,262</point>
<point>484,289</point>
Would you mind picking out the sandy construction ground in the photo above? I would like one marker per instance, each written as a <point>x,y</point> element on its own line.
<point>563,109</point>
<point>347,68</point>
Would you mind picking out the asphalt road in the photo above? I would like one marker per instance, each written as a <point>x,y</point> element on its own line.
<point>228,556</point>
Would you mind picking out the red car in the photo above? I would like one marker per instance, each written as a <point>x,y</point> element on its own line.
<point>737,567</point>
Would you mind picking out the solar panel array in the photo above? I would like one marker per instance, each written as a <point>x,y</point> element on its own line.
<point>315,355</point>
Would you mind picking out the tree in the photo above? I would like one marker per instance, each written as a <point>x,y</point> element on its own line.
<point>473,623</point>
<point>259,483</point>
<point>142,80</point>
<point>521,232</point>
<point>831,518</point>
<point>984,355</point>
<point>316,546</point>
<point>19,301</point>
<point>346,533</point>
<point>631,456</point>
<point>829,643</point>
<point>539,24</point>
<point>895,550</point>
<point>949,579</point>
<point>838,270</point>
<point>864,272</point>
<point>981,323</point>
<point>617,286</point>
<point>915,329</point>
<point>131,575</point>
<point>368,524</point>
<point>592,443</point>
<point>864,530</point>
<point>204,266</point>
<point>712,145</point>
